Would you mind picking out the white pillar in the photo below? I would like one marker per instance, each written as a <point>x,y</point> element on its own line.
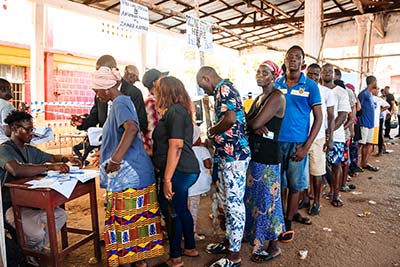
<point>312,28</point>
<point>37,53</point>
<point>364,24</point>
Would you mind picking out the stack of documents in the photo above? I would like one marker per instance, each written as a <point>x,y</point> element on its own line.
<point>64,183</point>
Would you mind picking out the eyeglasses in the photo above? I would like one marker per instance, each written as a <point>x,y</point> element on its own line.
<point>29,130</point>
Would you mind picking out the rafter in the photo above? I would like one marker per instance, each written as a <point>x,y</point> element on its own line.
<point>262,11</point>
<point>338,5</point>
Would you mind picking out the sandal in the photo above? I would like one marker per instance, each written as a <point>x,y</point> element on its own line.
<point>304,205</point>
<point>337,203</point>
<point>286,237</point>
<point>371,168</point>
<point>225,262</point>
<point>300,219</point>
<point>264,256</point>
<point>328,196</point>
<point>193,253</point>
<point>315,209</point>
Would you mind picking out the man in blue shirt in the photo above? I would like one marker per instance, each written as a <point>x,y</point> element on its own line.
<point>366,121</point>
<point>295,138</point>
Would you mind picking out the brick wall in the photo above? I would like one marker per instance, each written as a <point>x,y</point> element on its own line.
<point>66,86</point>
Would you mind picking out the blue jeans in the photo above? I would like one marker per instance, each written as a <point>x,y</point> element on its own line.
<point>183,223</point>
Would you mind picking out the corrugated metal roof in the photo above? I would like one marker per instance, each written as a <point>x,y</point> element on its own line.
<point>259,20</point>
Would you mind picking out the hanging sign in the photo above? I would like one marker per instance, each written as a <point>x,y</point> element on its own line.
<point>133,17</point>
<point>199,33</point>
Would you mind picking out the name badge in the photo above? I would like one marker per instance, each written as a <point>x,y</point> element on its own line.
<point>284,91</point>
<point>300,92</point>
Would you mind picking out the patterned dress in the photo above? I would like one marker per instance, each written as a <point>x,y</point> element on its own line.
<point>264,216</point>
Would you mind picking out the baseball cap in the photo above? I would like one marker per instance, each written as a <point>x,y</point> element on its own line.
<point>151,76</point>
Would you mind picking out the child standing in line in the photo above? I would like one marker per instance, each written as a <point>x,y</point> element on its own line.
<point>203,183</point>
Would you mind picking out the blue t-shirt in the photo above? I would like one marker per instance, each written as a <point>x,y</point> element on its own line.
<point>299,102</point>
<point>123,110</point>
<point>368,109</point>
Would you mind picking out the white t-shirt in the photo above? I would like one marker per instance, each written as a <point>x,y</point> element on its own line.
<point>5,109</point>
<point>342,105</point>
<point>379,103</point>
<point>327,100</point>
<point>203,183</point>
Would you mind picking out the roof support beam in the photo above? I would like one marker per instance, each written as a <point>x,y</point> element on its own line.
<point>262,11</point>
<point>359,6</point>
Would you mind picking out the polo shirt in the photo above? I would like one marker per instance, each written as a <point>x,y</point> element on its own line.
<point>368,109</point>
<point>299,102</point>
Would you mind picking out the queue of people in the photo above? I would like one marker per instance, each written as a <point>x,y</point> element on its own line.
<point>269,161</point>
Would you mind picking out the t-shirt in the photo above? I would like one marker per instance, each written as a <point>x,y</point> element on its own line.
<point>353,102</point>
<point>232,144</point>
<point>342,105</point>
<point>389,99</point>
<point>176,123</point>
<point>327,100</point>
<point>7,153</point>
<point>5,109</point>
<point>203,183</point>
<point>379,103</point>
<point>122,110</point>
<point>368,109</point>
<point>300,100</point>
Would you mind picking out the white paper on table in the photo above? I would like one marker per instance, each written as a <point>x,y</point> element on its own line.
<point>63,184</point>
<point>85,175</point>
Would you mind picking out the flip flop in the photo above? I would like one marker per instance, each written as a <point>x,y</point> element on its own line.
<point>286,237</point>
<point>264,256</point>
<point>371,168</point>
<point>189,255</point>
<point>337,203</point>
<point>300,219</point>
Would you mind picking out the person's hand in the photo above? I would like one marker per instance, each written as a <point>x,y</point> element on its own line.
<point>300,153</point>
<point>328,146</point>
<point>209,135</point>
<point>61,167</point>
<point>95,158</point>
<point>112,166</point>
<point>261,131</point>
<point>75,161</point>
<point>168,194</point>
<point>76,120</point>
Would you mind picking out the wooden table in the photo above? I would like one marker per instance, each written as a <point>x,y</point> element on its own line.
<point>48,199</point>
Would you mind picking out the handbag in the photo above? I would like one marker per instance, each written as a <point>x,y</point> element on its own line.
<point>394,122</point>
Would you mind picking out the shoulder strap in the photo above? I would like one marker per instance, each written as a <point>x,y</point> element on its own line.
<point>16,149</point>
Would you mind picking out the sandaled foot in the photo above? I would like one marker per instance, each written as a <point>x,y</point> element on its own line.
<point>190,253</point>
<point>225,262</point>
<point>216,248</point>
<point>300,219</point>
<point>286,237</point>
<point>345,188</point>
<point>304,205</point>
<point>315,209</point>
<point>265,256</point>
<point>371,168</point>
<point>337,203</point>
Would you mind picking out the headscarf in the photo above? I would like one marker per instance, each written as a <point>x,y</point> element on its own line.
<point>104,78</point>
<point>350,86</point>
<point>272,67</point>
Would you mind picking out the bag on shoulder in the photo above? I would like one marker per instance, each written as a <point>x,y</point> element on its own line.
<point>393,122</point>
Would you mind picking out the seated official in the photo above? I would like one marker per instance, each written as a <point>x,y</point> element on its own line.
<point>18,160</point>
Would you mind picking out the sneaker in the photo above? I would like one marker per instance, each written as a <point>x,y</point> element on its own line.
<point>225,262</point>
<point>32,261</point>
<point>199,236</point>
<point>216,248</point>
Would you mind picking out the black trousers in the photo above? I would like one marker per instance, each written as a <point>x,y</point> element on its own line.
<point>387,127</point>
<point>380,136</point>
